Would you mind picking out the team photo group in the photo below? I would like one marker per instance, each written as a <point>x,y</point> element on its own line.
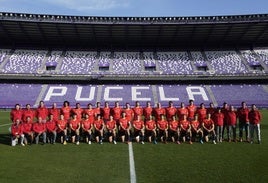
<point>186,123</point>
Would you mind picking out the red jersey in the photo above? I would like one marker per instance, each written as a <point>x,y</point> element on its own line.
<point>16,129</point>
<point>16,114</point>
<point>218,118</point>
<point>147,112</point>
<point>150,125</point>
<point>97,111</point>
<point>105,112</point>
<point>225,111</point>
<point>173,125</point>
<point>74,123</point>
<point>208,123</point>
<point>182,112</point>
<point>78,112</point>
<point>158,112</point>
<point>242,114</point>
<point>171,111</point>
<point>62,125</point>
<point>211,110</point>
<point>27,127</point>
<point>124,123</point>
<point>254,117</point>
<point>111,124</point>
<point>42,112</point>
<point>116,112</point>
<point>51,126</point>
<point>28,113</point>
<point>66,112</point>
<point>191,111</point>
<point>129,114</point>
<point>202,113</point>
<point>55,112</point>
<point>162,124</point>
<point>195,125</point>
<point>139,124</point>
<point>231,118</point>
<point>90,113</point>
<point>98,124</point>
<point>138,111</point>
<point>87,124</point>
<point>185,125</point>
<point>39,127</point>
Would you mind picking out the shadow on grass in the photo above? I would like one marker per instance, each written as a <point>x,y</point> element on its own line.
<point>264,126</point>
<point>5,139</point>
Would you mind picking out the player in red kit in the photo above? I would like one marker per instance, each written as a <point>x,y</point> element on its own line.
<point>185,129</point>
<point>111,130</point>
<point>75,125</point>
<point>62,129</point>
<point>27,130</point>
<point>129,112</point>
<point>99,127</point>
<point>42,111</point>
<point>138,126</point>
<point>28,112</point>
<point>90,112</point>
<point>78,111</point>
<point>105,111</point>
<point>218,118</point>
<point>158,111</point>
<point>124,128</point>
<point>174,130</point>
<point>170,111</point>
<point>116,111</point>
<point>208,128</point>
<point>138,110</point>
<point>255,117</point>
<point>87,127</point>
<point>150,129</point>
<point>39,129</point>
<point>231,122</point>
<point>148,110</point>
<point>54,111</point>
<point>211,109</point>
<point>97,110</point>
<point>224,110</point>
<point>182,111</point>
<point>242,114</point>
<point>196,129</point>
<point>201,112</point>
<point>162,126</point>
<point>66,110</point>
<point>17,133</point>
<point>16,113</point>
<point>51,129</point>
<point>191,110</point>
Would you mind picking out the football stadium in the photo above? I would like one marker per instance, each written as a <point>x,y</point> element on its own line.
<point>90,60</point>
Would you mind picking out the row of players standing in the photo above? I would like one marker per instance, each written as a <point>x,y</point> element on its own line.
<point>223,118</point>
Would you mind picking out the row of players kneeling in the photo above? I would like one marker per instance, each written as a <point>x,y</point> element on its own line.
<point>123,130</point>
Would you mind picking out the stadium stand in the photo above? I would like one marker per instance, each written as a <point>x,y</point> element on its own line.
<point>126,63</point>
<point>174,63</point>
<point>262,54</point>
<point>226,62</point>
<point>78,62</point>
<point>25,61</point>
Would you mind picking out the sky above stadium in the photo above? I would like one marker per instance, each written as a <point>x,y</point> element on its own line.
<point>136,7</point>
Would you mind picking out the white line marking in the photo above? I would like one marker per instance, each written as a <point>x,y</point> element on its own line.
<point>131,164</point>
<point>5,124</point>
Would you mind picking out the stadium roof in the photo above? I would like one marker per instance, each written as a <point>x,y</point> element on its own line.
<point>19,29</point>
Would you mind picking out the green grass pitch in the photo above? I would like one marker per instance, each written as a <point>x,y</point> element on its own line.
<point>225,162</point>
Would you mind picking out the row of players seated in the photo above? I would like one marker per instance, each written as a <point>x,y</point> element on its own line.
<point>226,119</point>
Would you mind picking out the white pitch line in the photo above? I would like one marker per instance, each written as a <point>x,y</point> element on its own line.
<point>5,124</point>
<point>131,164</point>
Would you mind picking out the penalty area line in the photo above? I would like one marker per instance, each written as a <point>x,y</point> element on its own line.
<point>131,164</point>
